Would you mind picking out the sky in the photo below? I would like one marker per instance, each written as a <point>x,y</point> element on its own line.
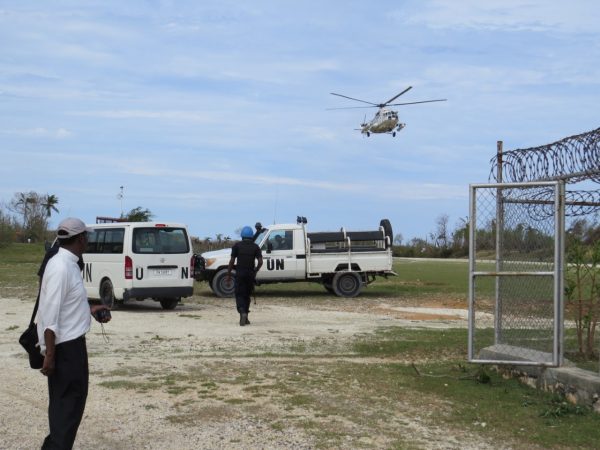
<point>216,113</point>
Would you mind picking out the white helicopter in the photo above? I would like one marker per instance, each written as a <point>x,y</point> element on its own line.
<point>385,120</point>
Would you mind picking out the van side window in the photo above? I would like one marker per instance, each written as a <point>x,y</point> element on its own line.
<point>106,240</point>
<point>160,240</point>
<point>113,241</point>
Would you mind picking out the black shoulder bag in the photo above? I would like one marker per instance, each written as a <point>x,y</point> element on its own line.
<point>30,342</point>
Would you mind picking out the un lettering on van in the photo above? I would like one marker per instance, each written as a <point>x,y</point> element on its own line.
<point>185,272</point>
<point>275,264</point>
<point>87,272</point>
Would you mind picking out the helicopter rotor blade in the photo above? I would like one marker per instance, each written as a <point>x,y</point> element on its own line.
<point>356,99</point>
<point>414,103</point>
<point>394,98</point>
<point>352,107</point>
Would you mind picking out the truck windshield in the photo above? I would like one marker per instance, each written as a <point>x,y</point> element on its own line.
<point>261,236</point>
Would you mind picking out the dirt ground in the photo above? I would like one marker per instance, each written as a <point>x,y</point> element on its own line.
<point>175,379</point>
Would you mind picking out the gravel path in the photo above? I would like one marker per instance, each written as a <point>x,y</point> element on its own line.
<point>175,379</point>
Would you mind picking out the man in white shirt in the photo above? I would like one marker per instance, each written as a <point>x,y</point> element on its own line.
<point>63,320</point>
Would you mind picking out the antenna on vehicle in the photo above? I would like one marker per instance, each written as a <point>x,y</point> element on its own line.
<point>275,207</point>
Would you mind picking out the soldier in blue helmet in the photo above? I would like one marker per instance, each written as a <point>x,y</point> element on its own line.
<point>243,257</point>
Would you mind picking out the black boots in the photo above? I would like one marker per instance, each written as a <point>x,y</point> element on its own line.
<point>244,319</point>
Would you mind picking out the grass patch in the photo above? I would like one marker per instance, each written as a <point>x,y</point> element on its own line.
<point>138,386</point>
<point>416,278</point>
<point>413,344</point>
<point>191,316</point>
<point>19,264</point>
<point>340,402</point>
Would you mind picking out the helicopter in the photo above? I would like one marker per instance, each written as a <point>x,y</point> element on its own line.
<point>385,120</point>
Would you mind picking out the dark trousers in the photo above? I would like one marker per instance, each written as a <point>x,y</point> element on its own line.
<point>244,285</point>
<point>67,391</point>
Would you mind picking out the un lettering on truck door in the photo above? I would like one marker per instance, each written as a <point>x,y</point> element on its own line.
<point>276,264</point>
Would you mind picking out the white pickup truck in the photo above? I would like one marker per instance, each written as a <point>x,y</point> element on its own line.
<point>343,261</point>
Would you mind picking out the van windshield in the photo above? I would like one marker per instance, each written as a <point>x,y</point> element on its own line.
<point>160,240</point>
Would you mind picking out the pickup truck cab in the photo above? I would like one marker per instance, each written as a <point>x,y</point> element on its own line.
<point>342,261</point>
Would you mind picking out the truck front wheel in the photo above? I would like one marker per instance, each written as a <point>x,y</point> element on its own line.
<point>221,285</point>
<point>347,284</point>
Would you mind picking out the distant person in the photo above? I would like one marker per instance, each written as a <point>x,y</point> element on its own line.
<point>243,257</point>
<point>281,243</point>
<point>63,319</point>
<point>259,229</point>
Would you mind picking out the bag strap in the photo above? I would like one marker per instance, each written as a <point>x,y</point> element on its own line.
<point>37,303</point>
<point>49,255</point>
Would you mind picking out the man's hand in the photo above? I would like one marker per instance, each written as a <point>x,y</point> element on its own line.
<point>50,341</point>
<point>94,311</point>
<point>48,366</point>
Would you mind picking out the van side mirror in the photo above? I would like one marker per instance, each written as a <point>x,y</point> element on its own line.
<point>269,247</point>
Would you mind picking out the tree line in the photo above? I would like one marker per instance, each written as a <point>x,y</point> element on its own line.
<point>442,242</point>
<point>25,217</point>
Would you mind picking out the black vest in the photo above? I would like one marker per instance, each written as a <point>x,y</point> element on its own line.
<point>246,252</point>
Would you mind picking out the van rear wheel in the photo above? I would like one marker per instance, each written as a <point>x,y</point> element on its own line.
<point>107,294</point>
<point>168,303</point>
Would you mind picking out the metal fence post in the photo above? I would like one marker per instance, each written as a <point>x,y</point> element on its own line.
<point>499,232</point>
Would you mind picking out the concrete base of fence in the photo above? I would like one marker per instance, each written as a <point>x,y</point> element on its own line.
<point>577,385</point>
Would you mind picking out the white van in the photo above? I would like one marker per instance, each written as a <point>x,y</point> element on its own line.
<point>139,260</point>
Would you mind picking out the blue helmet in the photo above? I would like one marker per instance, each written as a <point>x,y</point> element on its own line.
<point>247,233</point>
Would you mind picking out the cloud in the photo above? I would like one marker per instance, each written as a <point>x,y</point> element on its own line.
<point>193,116</point>
<point>581,16</point>
<point>388,189</point>
<point>40,132</point>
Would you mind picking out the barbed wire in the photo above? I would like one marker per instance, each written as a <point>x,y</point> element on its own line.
<point>540,201</point>
<point>573,159</point>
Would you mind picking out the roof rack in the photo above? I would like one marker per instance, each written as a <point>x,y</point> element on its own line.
<point>101,219</point>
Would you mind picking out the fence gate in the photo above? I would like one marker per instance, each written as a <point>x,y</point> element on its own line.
<point>516,255</point>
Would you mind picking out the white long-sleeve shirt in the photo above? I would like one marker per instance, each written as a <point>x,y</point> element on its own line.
<point>63,307</point>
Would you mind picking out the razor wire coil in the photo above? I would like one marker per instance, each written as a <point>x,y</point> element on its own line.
<point>573,159</point>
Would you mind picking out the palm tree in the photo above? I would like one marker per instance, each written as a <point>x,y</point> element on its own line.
<point>21,203</point>
<point>49,203</point>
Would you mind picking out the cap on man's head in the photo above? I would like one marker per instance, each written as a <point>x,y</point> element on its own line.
<point>70,227</point>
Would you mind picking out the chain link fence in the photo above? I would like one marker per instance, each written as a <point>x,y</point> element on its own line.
<point>515,284</point>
